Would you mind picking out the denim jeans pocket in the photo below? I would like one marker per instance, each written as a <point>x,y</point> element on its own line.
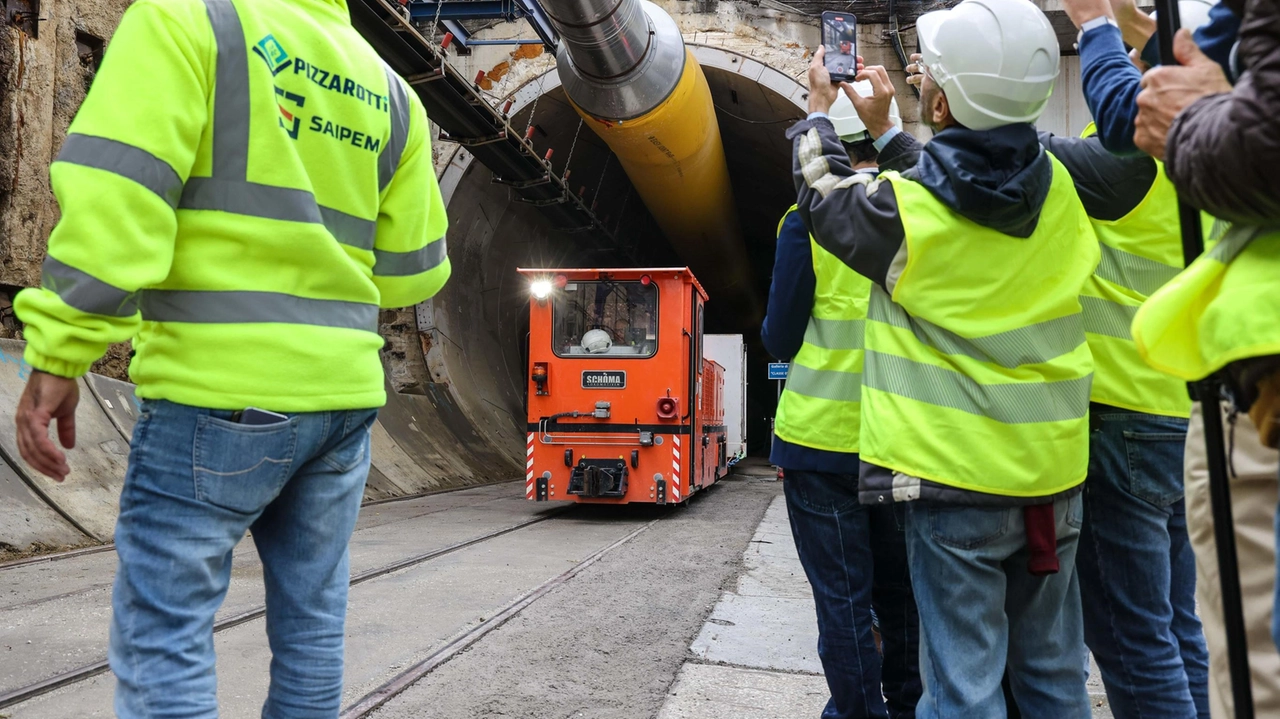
<point>1155,466</point>
<point>824,492</point>
<point>351,450</point>
<point>1075,510</point>
<point>967,527</point>
<point>242,467</point>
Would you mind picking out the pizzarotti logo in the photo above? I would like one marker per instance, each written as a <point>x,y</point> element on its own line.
<point>277,59</point>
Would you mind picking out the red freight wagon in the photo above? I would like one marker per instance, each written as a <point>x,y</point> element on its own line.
<point>622,405</point>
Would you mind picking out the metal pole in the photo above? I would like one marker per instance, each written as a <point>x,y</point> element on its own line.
<point>1209,392</point>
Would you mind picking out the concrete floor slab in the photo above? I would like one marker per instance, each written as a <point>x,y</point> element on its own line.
<point>705,691</point>
<point>767,621</point>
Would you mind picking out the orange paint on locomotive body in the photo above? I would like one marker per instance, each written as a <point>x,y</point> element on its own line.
<point>622,406</point>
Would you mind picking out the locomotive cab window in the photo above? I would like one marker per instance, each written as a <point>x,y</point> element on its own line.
<point>605,319</point>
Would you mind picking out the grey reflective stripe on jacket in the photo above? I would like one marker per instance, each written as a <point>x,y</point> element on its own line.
<point>835,385</point>
<point>1035,344</point>
<point>1133,272</point>
<point>1009,403</point>
<point>824,383</point>
<point>227,189</point>
<point>835,334</point>
<point>86,292</point>
<point>1140,274</point>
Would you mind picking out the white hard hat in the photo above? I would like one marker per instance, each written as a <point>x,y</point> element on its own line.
<point>1192,14</point>
<point>996,60</point>
<point>597,342</point>
<point>845,118</point>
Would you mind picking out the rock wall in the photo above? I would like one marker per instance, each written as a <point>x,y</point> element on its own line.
<point>44,75</point>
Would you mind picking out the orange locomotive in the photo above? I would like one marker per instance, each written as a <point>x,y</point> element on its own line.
<point>622,405</point>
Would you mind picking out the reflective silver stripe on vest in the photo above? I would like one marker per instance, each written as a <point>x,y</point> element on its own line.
<point>824,384</point>
<point>835,334</point>
<point>1019,403</point>
<point>398,104</point>
<point>276,203</point>
<point>245,307</point>
<point>230,93</point>
<point>1104,317</point>
<point>404,264</point>
<point>250,198</point>
<point>1035,344</point>
<point>127,161</point>
<point>1137,273</point>
<point>1233,243</point>
<point>85,292</point>
<point>349,229</point>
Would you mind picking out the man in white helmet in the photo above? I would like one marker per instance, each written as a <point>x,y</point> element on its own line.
<point>975,392</point>
<point>854,556</point>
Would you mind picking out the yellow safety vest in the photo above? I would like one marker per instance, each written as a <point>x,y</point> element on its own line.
<point>245,185</point>
<point>977,370</point>
<point>1222,308</point>
<point>820,405</point>
<point>1140,253</point>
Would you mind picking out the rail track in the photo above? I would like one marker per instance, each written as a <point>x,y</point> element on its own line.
<point>88,671</point>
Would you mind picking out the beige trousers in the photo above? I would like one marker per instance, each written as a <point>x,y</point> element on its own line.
<point>1254,490</point>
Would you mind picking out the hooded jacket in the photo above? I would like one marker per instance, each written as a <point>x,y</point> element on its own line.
<point>999,179</point>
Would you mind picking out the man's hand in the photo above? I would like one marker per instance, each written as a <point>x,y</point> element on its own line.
<point>873,110</point>
<point>1169,89</point>
<point>822,93</point>
<point>47,398</point>
<point>915,71</point>
<point>1082,11</point>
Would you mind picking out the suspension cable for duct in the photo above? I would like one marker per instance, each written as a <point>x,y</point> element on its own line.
<point>572,146</point>
<point>896,38</point>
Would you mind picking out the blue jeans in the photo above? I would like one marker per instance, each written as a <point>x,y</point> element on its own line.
<point>1137,570</point>
<point>856,557</point>
<point>980,611</point>
<point>196,483</point>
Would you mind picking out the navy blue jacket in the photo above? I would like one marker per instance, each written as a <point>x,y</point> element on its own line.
<point>1111,82</point>
<point>790,303</point>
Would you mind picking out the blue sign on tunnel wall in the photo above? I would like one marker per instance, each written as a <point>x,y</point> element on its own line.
<point>778,370</point>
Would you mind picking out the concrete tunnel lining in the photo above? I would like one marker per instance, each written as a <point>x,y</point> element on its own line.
<point>474,331</point>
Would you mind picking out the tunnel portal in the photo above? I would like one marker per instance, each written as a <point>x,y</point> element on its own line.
<point>482,315</point>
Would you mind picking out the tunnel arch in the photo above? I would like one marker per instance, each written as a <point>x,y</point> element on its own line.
<point>473,333</point>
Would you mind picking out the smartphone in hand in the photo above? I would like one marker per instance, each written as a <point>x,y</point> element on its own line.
<point>840,43</point>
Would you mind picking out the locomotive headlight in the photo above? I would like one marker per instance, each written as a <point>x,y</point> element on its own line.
<point>540,289</point>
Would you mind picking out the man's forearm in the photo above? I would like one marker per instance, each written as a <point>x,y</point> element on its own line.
<point>851,215</point>
<point>1111,85</point>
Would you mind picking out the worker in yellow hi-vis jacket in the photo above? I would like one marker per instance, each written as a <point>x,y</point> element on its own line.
<point>245,186</point>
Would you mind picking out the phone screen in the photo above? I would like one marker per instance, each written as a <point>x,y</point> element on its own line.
<point>840,43</point>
